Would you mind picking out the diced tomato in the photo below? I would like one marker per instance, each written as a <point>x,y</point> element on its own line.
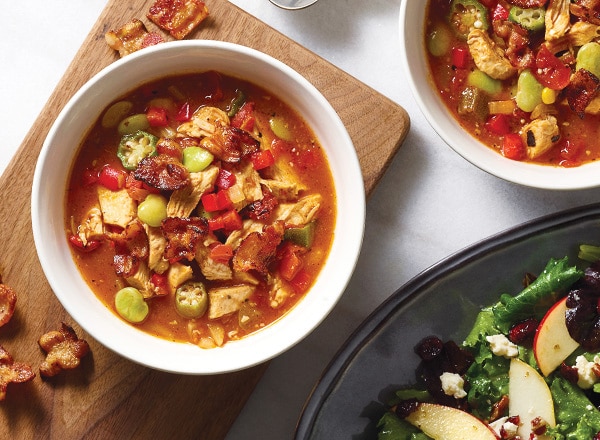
<point>570,154</point>
<point>460,57</point>
<point>157,117</point>
<point>221,253</point>
<point>225,179</point>
<point>215,223</point>
<point>89,177</point>
<point>77,243</point>
<point>498,124</point>
<point>244,118</point>
<point>262,159</point>
<point>513,147</point>
<point>223,200</point>
<point>232,221</point>
<point>112,178</point>
<point>290,265</point>
<point>550,71</point>
<point>499,13</point>
<point>301,281</point>
<point>184,113</point>
<point>160,283</point>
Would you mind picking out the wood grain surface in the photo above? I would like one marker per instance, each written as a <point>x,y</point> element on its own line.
<point>109,397</point>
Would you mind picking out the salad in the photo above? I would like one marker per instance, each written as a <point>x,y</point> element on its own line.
<point>528,369</point>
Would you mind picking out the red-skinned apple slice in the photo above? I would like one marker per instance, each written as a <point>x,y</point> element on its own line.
<point>552,343</point>
<point>446,423</point>
<point>528,397</point>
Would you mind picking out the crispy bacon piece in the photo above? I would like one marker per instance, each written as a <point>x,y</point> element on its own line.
<point>178,17</point>
<point>258,249</point>
<point>230,144</point>
<point>263,208</point>
<point>132,240</point>
<point>517,41</point>
<point>528,3</point>
<point>581,90</point>
<point>64,350</point>
<point>163,172</point>
<point>183,236</point>
<point>586,10</point>
<point>12,372</point>
<point>8,300</point>
<point>132,37</point>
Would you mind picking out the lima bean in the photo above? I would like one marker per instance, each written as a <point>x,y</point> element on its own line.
<point>529,91</point>
<point>130,305</point>
<point>588,58</point>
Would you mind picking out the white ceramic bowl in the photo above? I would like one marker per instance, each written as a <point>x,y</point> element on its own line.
<point>52,170</point>
<point>412,28</point>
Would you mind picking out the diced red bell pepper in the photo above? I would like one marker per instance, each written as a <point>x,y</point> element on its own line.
<point>570,154</point>
<point>225,179</point>
<point>112,178</point>
<point>160,283</point>
<point>216,201</point>
<point>77,243</point>
<point>215,223</point>
<point>460,57</point>
<point>513,147</point>
<point>262,159</point>
<point>498,124</point>
<point>184,113</point>
<point>157,117</point>
<point>221,253</point>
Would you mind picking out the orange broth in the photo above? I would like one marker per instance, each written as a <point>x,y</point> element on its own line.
<point>304,154</point>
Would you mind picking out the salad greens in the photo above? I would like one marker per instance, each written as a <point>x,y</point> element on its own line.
<point>577,418</point>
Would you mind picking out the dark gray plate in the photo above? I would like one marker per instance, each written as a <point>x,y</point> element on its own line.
<point>443,301</point>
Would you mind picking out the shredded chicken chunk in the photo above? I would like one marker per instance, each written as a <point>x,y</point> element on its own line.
<point>203,122</point>
<point>183,201</point>
<point>557,19</point>
<point>540,135</point>
<point>226,300</point>
<point>488,56</point>
<point>300,213</point>
<point>118,208</point>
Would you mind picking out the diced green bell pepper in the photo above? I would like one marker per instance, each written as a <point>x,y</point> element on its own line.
<point>303,236</point>
<point>135,147</point>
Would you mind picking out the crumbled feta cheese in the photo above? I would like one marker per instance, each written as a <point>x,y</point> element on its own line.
<point>453,384</point>
<point>585,371</point>
<point>504,428</point>
<point>501,346</point>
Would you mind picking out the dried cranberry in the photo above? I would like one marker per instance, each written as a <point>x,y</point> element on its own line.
<point>429,348</point>
<point>569,373</point>
<point>522,331</point>
<point>406,407</point>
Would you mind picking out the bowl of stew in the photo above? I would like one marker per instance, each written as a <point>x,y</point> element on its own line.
<point>510,85</point>
<point>198,207</point>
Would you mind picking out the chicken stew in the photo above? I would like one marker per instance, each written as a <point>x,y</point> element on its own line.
<point>522,76</point>
<point>200,208</point>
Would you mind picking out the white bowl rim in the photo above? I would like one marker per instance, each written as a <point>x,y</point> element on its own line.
<point>235,355</point>
<point>522,173</point>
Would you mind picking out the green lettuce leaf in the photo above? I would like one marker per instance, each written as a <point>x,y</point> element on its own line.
<point>391,427</point>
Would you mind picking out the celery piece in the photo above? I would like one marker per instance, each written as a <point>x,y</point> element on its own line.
<point>529,91</point>
<point>484,82</point>
<point>588,58</point>
<point>588,252</point>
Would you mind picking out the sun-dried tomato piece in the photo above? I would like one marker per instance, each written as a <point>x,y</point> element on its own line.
<point>8,300</point>
<point>132,37</point>
<point>230,144</point>
<point>582,89</point>
<point>163,172</point>
<point>12,372</point>
<point>183,235</point>
<point>258,249</point>
<point>64,350</point>
<point>178,17</point>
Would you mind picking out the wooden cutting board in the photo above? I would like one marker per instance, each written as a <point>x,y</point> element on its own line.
<point>109,397</point>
